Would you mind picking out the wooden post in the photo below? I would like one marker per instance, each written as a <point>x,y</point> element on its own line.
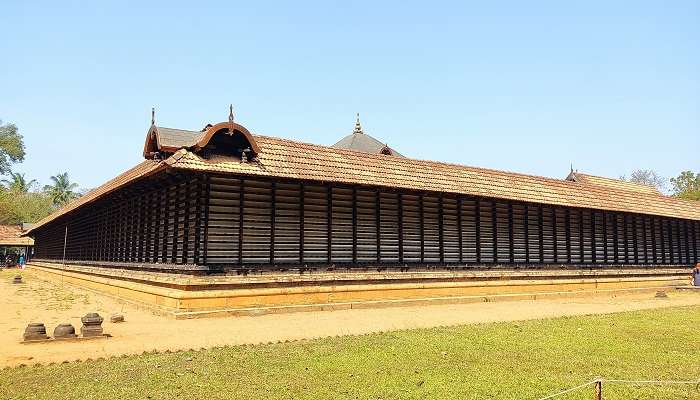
<point>598,390</point>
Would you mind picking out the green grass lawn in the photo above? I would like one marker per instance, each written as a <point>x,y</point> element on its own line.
<point>520,360</point>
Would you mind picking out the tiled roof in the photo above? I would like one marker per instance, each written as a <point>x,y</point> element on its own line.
<point>177,138</point>
<point>144,168</point>
<point>296,160</point>
<point>612,183</point>
<point>10,235</point>
<point>289,159</point>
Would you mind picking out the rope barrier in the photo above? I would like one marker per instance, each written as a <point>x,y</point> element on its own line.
<point>623,381</point>
<point>569,390</point>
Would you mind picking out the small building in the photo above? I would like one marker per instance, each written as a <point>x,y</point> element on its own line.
<point>222,198</point>
<point>13,243</point>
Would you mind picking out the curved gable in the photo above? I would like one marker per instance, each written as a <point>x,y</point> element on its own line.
<point>227,138</point>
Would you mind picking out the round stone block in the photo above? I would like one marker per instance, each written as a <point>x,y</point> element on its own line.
<point>64,331</point>
<point>35,331</point>
<point>92,325</point>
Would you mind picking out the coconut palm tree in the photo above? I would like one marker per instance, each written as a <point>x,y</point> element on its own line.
<point>18,183</point>
<point>62,190</point>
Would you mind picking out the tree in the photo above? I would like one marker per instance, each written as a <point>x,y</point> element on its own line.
<point>687,185</point>
<point>647,177</point>
<point>11,147</point>
<point>18,183</point>
<point>62,190</point>
<point>16,208</point>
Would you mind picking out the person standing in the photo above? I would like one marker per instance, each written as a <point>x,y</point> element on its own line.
<point>696,275</point>
<point>21,261</point>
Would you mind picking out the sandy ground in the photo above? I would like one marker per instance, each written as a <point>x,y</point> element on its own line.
<point>52,303</point>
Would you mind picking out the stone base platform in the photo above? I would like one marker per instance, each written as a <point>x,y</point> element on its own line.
<point>191,296</point>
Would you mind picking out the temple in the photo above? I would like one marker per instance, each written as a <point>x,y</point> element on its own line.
<point>221,199</point>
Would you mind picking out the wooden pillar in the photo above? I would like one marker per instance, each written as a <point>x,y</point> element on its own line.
<point>241,208</point>
<point>422,228</point>
<point>441,225</point>
<point>273,208</point>
<point>207,191</point>
<point>329,216</point>
<point>400,201</point>
<point>494,231</point>
<point>460,240</point>
<point>198,221</point>
<point>354,225</point>
<point>526,216</point>
<point>301,223</point>
<point>511,234</point>
<point>478,230</point>
<point>540,222</point>
<point>377,222</point>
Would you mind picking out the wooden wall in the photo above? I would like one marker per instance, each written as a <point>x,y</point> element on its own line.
<point>229,222</point>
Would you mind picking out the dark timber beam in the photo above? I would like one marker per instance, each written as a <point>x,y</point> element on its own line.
<point>241,201</point>
<point>377,223</point>
<point>460,240</point>
<point>273,208</point>
<point>354,225</point>
<point>511,238</point>
<point>301,223</point>
<point>400,207</point>
<point>441,225</point>
<point>329,228</point>
<point>477,216</point>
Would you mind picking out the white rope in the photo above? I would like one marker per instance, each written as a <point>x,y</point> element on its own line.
<point>623,381</point>
<point>653,382</point>
<point>569,390</point>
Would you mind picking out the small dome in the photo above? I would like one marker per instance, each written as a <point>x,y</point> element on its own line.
<point>360,141</point>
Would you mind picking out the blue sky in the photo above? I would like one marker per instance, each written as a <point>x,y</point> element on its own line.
<point>522,86</point>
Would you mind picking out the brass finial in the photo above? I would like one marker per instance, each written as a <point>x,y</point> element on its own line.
<point>153,115</point>
<point>358,127</point>
<point>230,114</point>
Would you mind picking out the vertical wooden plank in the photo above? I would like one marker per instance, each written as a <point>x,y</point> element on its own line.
<point>400,195</point>
<point>198,220</point>
<point>186,223</point>
<point>594,244</point>
<point>494,230</point>
<point>669,232</point>
<point>273,211</point>
<point>460,240</point>
<point>540,222</point>
<point>567,233</point>
<point>176,223</point>
<point>635,239</point>
<point>354,225</point>
<point>555,242</point>
<point>241,200</point>
<point>477,207</point>
<point>422,228</point>
<point>526,217</point>
<point>605,237</point>
<point>329,216</point>
<point>580,236</point>
<point>511,243</point>
<point>645,238</point>
<point>696,226</point>
<point>166,221</point>
<point>301,223</point>
<point>207,191</point>
<point>441,230</point>
<point>377,222</point>
<point>687,241</point>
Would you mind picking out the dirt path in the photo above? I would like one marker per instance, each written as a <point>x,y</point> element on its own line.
<point>53,303</point>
